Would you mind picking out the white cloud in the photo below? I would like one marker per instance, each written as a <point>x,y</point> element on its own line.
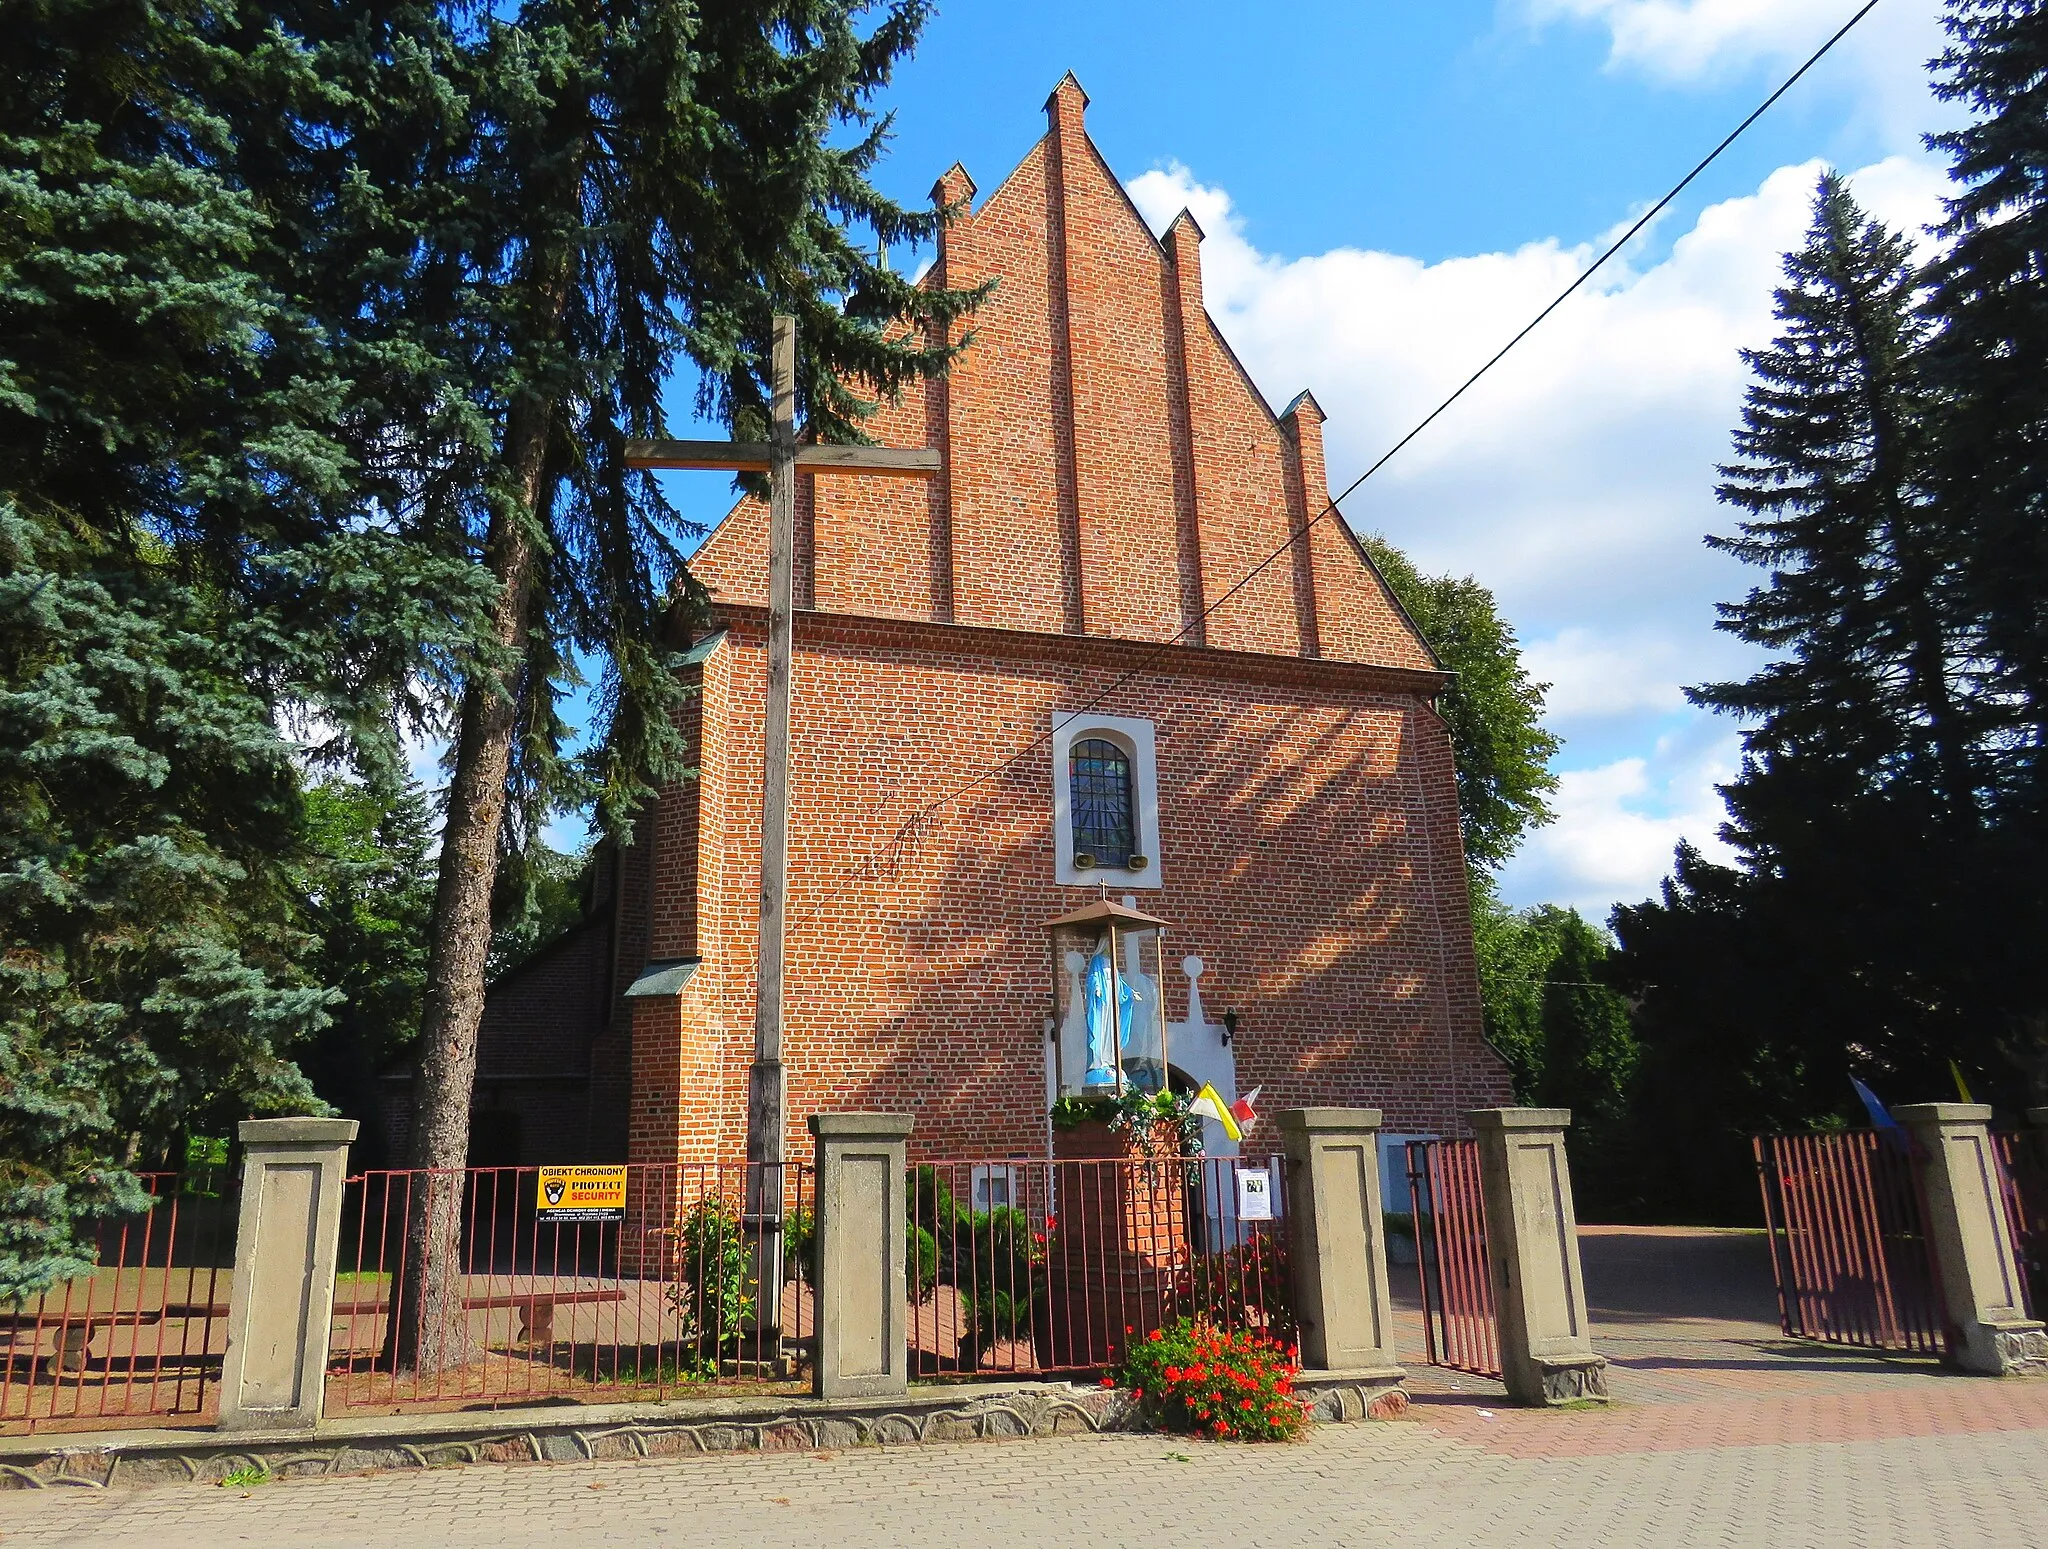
<point>1882,62</point>
<point>1592,676</point>
<point>1618,824</point>
<point>1576,480</point>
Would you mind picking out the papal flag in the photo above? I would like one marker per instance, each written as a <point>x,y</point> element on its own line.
<point>1209,1104</point>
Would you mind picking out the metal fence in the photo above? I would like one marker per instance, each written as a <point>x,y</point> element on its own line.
<point>1020,1267</point>
<point>1458,1318</point>
<point>669,1300</point>
<point>142,1334</point>
<point>2023,1160</point>
<point>1846,1223</point>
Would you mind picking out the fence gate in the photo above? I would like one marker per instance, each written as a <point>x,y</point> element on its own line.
<point>1450,1245</point>
<point>1850,1252</point>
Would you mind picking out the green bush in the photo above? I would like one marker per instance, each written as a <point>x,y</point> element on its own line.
<point>932,1202</point>
<point>922,1259</point>
<point>715,1263</point>
<point>800,1253</point>
<point>799,1245</point>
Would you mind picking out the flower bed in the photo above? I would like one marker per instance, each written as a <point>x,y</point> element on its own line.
<point>1235,1387</point>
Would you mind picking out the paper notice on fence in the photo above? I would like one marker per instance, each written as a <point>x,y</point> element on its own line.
<point>1254,1194</point>
<point>574,1194</point>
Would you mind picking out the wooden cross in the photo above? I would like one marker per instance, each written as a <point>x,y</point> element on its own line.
<point>780,458</point>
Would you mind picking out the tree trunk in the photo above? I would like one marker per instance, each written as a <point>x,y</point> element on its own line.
<point>428,1330</point>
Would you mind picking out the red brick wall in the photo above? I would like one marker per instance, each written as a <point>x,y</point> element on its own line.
<point>1108,466</point>
<point>539,1047</point>
<point>1310,856</point>
<point>1109,472</point>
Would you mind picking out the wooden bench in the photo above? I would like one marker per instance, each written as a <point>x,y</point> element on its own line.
<point>536,1308</point>
<point>75,1329</point>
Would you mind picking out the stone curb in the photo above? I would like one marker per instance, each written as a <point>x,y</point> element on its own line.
<point>579,1433</point>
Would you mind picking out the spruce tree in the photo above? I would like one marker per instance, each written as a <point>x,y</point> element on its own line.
<point>182,571</point>
<point>151,983</point>
<point>1867,693</point>
<point>1837,942</point>
<point>601,196</point>
<point>1991,362</point>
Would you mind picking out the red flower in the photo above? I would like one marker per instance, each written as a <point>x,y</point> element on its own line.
<point>1109,1382</point>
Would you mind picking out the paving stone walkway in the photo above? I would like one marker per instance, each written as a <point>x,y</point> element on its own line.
<point>1721,1433</point>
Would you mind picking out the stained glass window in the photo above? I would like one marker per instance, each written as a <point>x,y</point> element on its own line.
<point>1099,787</point>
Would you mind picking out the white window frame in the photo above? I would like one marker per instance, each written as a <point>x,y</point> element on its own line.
<point>1135,738</point>
<point>990,1179</point>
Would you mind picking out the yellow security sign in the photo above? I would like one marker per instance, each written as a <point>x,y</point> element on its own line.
<point>573,1194</point>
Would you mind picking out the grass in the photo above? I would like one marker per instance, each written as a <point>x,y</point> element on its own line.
<point>665,1369</point>
<point>247,1477</point>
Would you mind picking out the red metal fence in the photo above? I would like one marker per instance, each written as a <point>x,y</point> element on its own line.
<point>1458,1316</point>
<point>1848,1239</point>
<point>666,1301</point>
<point>2023,1157</point>
<point>1031,1266</point>
<point>142,1334</point>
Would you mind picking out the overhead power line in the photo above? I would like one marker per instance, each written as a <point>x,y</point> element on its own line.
<point>894,849</point>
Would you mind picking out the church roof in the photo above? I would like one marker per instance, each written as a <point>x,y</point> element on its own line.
<point>1109,468</point>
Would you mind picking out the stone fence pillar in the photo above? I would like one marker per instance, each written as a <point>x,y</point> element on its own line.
<point>1532,1244</point>
<point>1337,1250</point>
<point>862,1292</point>
<point>274,1376</point>
<point>1972,1240</point>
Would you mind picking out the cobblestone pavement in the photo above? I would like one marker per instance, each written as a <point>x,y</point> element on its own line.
<point>1721,1433</point>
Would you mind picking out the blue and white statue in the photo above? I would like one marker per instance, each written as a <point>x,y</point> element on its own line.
<point>1107,1031</point>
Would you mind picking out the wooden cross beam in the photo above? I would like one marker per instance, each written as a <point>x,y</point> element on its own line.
<point>781,459</point>
<point>916,462</point>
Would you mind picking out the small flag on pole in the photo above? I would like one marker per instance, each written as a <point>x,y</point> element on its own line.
<point>1962,1086</point>
<point>1241,1110</point>
<point>1880,1117</point>
<point>1209,1104</point>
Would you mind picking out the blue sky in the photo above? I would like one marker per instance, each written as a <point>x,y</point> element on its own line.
<point>1390,190</point>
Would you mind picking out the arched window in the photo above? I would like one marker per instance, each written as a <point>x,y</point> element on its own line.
<point>1099,787</point>
<point>1104,774</point>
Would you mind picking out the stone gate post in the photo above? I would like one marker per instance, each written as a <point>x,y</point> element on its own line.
<point>280,1308</point>
<point>1337,1247</point>
<point>1972,1239</point>
<point>862,1289</point>
<point>1532,1245</point>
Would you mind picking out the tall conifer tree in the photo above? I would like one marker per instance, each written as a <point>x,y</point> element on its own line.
<point>1833,942</point>
<point>1991,363</point>
<point>182,570</point>
<point>1865,696</point>
<point>620,191</point>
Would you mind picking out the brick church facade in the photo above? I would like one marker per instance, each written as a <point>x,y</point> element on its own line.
<point>1110,474</point>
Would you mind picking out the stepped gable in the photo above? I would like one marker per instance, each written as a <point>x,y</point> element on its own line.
<point>1109,467</point>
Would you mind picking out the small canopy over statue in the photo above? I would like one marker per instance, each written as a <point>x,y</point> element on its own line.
<point>1108,1010</point>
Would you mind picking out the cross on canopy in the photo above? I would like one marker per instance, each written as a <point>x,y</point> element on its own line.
<point>780,458</point>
